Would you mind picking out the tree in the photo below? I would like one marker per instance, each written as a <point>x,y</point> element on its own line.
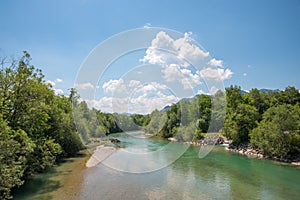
<point>238,124</point>
<point>278,133</point>
<point>233,97</point>
<point>257,100</point>
<point>36,126</point>
<point>290,96</point>
<point>15,146</point>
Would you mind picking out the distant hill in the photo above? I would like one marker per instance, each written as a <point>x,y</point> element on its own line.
<point>269,90</point>
<point>261,90</point>
<point>165,108</point>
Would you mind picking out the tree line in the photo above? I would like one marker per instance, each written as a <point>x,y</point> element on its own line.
<point>267,120</point>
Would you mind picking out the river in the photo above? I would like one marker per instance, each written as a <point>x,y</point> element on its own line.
<point>219,175</point>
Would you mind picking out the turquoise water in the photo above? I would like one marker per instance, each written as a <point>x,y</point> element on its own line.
<point>219,175</point>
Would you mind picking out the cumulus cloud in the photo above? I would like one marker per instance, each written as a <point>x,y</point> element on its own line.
<point>175,56</point>
<point>135,84</point>
<point>84,86</point>
<point>215,63</point>
<point>217,74</point>
<point>58,91</point>
<point>133,96</point>
<point>166,50</point>
<point>119,86</point>
<point>114,85</point>
<point>189,51</point>
<point>142,104</point>
<point>185,76</point>
<point>49,82</point>
<point>53,83</point>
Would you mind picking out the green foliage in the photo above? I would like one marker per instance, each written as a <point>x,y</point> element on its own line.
<point>188,133</point>
<point>278,132</point>
<point>158,121</point>
<point>36,125</point>
<point>188,119</point>
<point>141,120</point>
<point>240,122</point>
<point>269,119</point>
<point>15,146</point>
<point>92,123</point>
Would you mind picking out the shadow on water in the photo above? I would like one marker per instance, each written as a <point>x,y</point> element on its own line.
<point>39,187</point>
<point>49,184</point>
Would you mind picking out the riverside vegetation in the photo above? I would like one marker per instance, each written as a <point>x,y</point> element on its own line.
<point>267,122</point>
<point>37,127</point>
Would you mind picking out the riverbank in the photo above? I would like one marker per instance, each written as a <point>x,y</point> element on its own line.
<point>248,150</point>
<point>207,140</point>
<point>243,149</point>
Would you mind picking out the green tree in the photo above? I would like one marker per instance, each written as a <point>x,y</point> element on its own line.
<point>238,124</point>
<point>15,146</point>
<point>36,125</point>
<point>278,132</point>
<point>290,96</point>
<point>233,97</point>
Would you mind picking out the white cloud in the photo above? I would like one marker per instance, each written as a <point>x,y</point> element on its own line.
<point>217,74</point>
<point>134,97</point>
<point>114,85</point>
<point>244,74</point>
<point>189,51</point>
<point>200,92</point>
<point>175,57</point>
<point>84,86</point>
<point>53,83</point>
<point>49,82</point>
<point>58,80</point>
<point>142,104</point>
<point>166,50</point>
<point>119,87</point>
<point>58,91</point>
<point>215,63</point>
<point>135,84</point>
<point>183,75</point>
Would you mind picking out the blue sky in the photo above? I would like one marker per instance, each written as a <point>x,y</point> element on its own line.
<point>259,41</point>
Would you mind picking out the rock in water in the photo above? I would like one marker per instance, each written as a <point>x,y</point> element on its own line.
<point>114,140</point>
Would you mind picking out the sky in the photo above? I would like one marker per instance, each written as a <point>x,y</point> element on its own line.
<point>250,43</point>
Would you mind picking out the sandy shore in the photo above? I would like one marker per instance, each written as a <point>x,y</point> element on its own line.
<point>100,154</point>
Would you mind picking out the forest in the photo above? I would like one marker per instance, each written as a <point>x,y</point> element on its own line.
<point>37,128</point>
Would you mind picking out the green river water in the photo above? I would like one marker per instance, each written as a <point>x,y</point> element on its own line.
<point>219,175</point>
